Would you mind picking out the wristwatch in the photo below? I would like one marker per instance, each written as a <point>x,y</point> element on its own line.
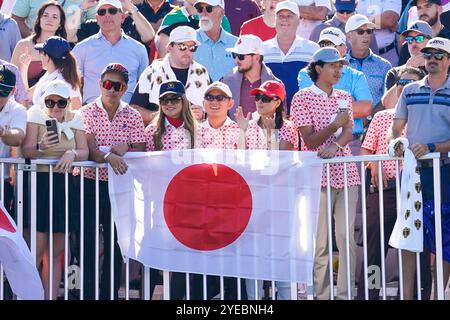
<point>431,147</point>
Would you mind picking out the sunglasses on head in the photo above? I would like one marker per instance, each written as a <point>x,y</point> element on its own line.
<point>361,31</point>
<point>345,11</point>
<point>418,39</point>
<point>219,97</point>
<point>437,55</point>
<point>62,103</point>
<point>108,84</point>
<point>164,101</point>
<point>266,99</point>
<point>111,11</point>
<point>404,82</point>
<point>183,47</point>
<point>208,8</point>
<point>4,93</point>
<point>241,56</point>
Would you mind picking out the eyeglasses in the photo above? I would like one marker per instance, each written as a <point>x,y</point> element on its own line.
<point>183,47</point>
<point>404,82</point>
<point>418,39</point>
<point>437,55</point>
<point>172,100</point>
<point>241,56</point>
<point>345,11</point>
<point>4,93</point>
<point>111,11</point>
<point>62,103</point>
<point>108,84</point>
<point>323,44</point>
<point>218,98</point>
<point>208,8</point>
<point>361,31</point>
<point>263,98</point>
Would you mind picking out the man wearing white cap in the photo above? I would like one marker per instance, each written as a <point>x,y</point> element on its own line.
<point>287,53</point>
<point>214,39</point>
<point>352,80</point>
<point>359,32</point>
<point>424,106</point>
<point>178,64</point>
<point>109,45</point>
<point>249,73</point>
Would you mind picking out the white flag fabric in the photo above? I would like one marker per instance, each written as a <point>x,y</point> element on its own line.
<point>242,213</point>
<point>17,261</point>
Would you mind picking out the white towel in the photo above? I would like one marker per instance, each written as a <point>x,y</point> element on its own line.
<point>408,230</point>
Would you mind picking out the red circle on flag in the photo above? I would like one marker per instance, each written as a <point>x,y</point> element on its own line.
<point>207,206</point>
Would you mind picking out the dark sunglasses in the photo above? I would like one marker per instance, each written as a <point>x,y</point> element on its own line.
<point>263,98</point>
<point>404,82</point>
<point>418,39</point>
<point>4,93</point>
<point>111,11</point>
<point>208,8</point>
<point>219,97</point>
<point>323,44</point>
<point>172,100</point>
<point>437,55</point>
<point>108,84</point>
<point>62,103</point>
<point>241,56</point>
<point>361,31</point>
<point>345,11</point>
<point>184,47</point>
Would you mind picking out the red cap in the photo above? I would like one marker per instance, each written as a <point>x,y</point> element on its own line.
<point>271,89</point>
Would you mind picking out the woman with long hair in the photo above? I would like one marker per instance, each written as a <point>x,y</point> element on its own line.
<point>50,21</point>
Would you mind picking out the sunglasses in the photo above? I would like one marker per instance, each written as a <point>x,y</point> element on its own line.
<point>218,98</point>
<point>437,55</point>
<point>172,100</point>
<point>108,84</point>
<point>111,11</point>
<point>208,9</point>
<point>263,98</point>
<point>184,47</point>
<point>418,39</point>
<point>62,103</point>
<point>4,93</point>
<point>404,82</point>
<point>345,11</point>
<point>361,31</point>
<point>323,44</point>
<point>241,56</point>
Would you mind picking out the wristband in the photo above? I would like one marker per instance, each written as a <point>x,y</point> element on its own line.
<point>106,155</point>
<point>338,145</point>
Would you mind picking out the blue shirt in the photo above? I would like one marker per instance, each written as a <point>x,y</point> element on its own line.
<point>352,81</point>
<point>95,53</point>
<point>212,54</point>
<point>287,66</point>
<point>375,69</point>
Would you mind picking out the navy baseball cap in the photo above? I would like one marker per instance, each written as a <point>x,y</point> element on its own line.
<point>347,5</point>
<point>55,47</point>
<point>172,86</point>
<point>438,2</point>
<point>7,78</point>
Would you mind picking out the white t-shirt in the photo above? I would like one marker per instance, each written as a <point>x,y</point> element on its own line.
<point>45,79</point>
<point>306,26</point>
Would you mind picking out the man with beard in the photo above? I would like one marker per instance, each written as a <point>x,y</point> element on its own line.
<point>249,73</point>
<point>214,39</point>
<point>429,11</point>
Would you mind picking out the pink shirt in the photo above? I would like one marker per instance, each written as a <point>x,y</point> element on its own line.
<point>225,137</point>
<point>172,139</point>
<point>313,107</point>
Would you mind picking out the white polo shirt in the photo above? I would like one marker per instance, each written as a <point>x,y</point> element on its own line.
<point>306,26</point>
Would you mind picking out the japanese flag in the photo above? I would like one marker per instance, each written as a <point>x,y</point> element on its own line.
<point>17,261</point>
<point>242,213</point>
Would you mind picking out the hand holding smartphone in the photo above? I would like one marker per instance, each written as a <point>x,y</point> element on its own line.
<point>52,129</point>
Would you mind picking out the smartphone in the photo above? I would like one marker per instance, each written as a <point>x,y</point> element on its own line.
<point>52,127</point>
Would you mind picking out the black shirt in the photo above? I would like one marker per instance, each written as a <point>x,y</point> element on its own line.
<point>91,27</point>
<point>150,15</point>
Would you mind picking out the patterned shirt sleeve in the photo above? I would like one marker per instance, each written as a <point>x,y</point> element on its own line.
<point>288,133</point>
<point>137,128</point>
<point>88,125</point>
<point>371,139</point>
<point>301,116</point>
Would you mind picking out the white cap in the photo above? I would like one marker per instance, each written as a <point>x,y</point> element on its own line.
<point>356,21</point>
<point>115,3</point>
<point>183,34</point>
<point>287,5</point>
<point>219,86</point>
<point>57,87</point>
<point>438,43</point>
<point>247,44</point>
<point>335,35</point>
<point>220,3</point>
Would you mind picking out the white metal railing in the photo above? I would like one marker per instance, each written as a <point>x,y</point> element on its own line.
<point>22,167</point>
